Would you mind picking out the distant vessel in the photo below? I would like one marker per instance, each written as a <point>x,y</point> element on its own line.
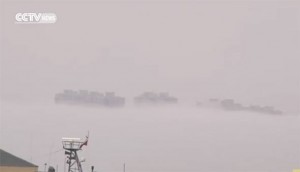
<point>154,98</point>
<point>231,105</point>
<point>85,97</point>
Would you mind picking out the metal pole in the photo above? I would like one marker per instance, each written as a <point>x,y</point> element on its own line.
<point>45,167</point>
<point>65,164</point>
<point>69,161</point>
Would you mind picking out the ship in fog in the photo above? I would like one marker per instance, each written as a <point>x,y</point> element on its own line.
<point>155,98</point>
<point>85,97</point>
<point>232,105</point>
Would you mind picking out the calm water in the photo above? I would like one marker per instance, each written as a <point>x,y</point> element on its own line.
<point>153,139</point>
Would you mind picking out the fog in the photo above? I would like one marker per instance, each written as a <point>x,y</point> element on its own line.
<point>245,50</point>
<point>153,138</point>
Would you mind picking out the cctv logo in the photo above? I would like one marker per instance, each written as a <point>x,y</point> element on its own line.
<point>35,18</point>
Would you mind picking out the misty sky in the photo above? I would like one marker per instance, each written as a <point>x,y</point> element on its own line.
<point>246,50</point>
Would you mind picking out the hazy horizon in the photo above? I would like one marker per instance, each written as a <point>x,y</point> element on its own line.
<point>245,50</point>
<point>248,51</point>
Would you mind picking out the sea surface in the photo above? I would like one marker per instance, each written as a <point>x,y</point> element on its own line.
<point>153,139</point>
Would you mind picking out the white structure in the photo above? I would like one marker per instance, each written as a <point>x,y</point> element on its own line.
<point>72,145</point>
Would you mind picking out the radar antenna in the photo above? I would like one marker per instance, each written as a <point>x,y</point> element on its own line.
<point>71,146</point>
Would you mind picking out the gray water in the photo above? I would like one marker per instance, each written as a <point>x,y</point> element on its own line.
<point>179,138</point>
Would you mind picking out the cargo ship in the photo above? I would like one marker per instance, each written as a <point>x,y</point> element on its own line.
<point>93,98</point>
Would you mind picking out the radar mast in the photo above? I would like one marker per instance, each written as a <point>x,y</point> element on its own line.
<point>72,146</point>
